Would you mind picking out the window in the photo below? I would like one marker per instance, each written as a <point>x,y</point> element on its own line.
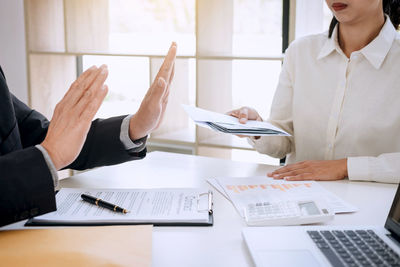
<point>128,81</point>
<point>229,55</point>
<point>147,27</point>
<point>257,27</point>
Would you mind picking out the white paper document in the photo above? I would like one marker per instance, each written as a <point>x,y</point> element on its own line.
<point>228,124</point>
<point>244,191</point>
<point>144,205</point>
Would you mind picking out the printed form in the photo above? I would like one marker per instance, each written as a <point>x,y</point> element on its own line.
<point>247,190</point>
<point>144,205</point>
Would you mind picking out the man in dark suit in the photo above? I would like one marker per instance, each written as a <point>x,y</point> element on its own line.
<point>32,149</point>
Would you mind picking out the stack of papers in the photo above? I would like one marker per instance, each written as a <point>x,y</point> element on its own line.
<point>228,124</point>
<point>244,191</point>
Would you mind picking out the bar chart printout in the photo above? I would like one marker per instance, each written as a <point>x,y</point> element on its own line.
<point>243,191</point>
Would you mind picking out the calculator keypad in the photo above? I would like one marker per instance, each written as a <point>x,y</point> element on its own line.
<point>268,210</point>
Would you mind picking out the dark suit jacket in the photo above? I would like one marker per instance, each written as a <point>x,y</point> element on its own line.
<point>26,184</point>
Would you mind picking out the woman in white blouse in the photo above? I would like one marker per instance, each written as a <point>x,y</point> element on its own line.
<point>339,97</point>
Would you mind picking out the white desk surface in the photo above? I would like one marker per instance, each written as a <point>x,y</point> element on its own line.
<point>221,244</point>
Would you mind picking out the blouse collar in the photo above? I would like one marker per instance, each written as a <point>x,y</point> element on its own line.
<point>375,52</point>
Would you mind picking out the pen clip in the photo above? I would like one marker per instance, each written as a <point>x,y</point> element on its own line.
<point>210,202</point>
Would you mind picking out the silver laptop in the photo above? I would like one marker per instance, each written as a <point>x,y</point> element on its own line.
<point>327,245</point>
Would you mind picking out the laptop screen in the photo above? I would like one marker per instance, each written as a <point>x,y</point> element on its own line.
<point>393,219</point>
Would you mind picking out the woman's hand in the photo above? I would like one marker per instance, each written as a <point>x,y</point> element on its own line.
<point>153,106</point>
<point>319,170</point>
<point>73,116</point>
<point>244,114</point>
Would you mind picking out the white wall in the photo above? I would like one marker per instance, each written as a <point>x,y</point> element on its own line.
<point>12,47</point>
<point>309,17</point>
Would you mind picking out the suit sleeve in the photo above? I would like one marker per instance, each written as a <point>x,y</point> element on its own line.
<point>32,125</point>
<point>103,146</point>
<point>26,186</point>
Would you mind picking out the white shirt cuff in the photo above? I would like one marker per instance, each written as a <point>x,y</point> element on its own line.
<point>50,164</point>
<point>358,168</point>
<point>383,168</point>
<point>132,146</point>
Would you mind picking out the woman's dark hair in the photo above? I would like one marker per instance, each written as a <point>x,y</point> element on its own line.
<point>390,7</point>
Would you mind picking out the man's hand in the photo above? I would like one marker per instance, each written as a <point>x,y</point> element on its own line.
<point>152,109</point>
<point>73,116</point>
<point>319,170</point>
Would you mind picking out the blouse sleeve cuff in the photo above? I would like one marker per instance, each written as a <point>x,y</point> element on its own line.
<point>358,168</point>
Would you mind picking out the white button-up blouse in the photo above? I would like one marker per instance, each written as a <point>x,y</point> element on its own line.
<point>337,107</point>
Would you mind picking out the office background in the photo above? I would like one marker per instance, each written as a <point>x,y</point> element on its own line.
<point>229,55</point>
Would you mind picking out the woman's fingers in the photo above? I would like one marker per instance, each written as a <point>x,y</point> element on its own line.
<point>283,175</point>
<point>233,113</point>
<point>243,115</point>
<point>313,170</point>
<point>288,168</point>
<point>301,177</point>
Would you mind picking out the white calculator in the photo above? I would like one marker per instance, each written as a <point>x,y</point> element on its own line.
<point>290,212</point>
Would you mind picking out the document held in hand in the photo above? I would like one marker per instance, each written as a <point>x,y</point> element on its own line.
<point>228,124</point>
<point>146,206</point>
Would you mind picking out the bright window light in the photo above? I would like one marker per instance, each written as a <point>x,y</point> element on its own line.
<point>149,26</point>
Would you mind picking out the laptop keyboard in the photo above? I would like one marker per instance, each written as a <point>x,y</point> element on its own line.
<point>354,248</point>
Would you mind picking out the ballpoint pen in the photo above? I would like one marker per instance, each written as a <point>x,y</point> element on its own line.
<point>101,203</point>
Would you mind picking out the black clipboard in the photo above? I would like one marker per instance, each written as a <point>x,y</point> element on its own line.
<point>210,222</point>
